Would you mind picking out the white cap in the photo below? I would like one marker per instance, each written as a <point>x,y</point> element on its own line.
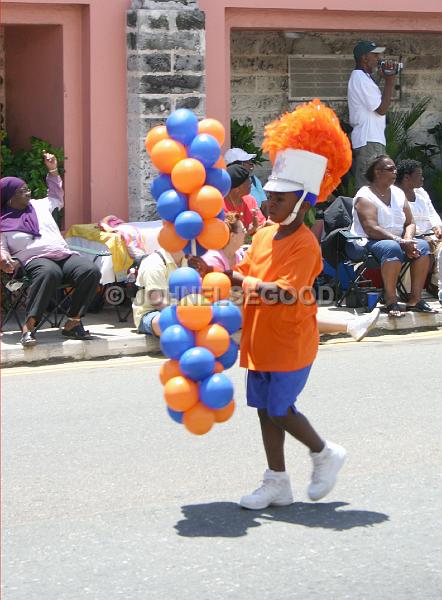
<point>234,154</point>
<point>297,170</point>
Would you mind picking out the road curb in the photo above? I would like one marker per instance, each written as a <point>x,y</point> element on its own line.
<point>134,344</point>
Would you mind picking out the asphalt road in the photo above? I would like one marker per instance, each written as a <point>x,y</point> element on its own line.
<point>106,498</point>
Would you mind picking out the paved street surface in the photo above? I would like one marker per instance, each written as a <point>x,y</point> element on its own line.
<point>106,498</point>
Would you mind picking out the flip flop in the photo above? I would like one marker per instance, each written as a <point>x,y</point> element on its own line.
<point>77,333</point>
<point>395,307</point>
<point>422,307</point>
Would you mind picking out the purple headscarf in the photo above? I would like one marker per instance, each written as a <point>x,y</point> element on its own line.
<point>13,219</point>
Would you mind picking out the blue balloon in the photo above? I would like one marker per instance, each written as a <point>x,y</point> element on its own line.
<point>216,391</point>
<point>184,281</point>
<point>161,184</point>
<point>182,125</point>
<point>175,340</point>
<point>170,204</point>
<point>205,148</point>
<point>199,250</point>
<point>221,215</point>
<point>189,224</point>
<point>228,359</point>
<point>175,415</point>
<point>228,315</point>
<point>167,318</point>
<point>197,363</point>
<point>220,179</point>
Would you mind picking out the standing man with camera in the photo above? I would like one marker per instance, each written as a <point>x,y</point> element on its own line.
<point>368,106</point>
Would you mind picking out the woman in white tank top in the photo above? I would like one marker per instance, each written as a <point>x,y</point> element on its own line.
<point>383,221</point>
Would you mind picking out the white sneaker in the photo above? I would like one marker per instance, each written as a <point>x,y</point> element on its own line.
<point>326,465</point>
<point>274,491</point>
<point>360,326</point>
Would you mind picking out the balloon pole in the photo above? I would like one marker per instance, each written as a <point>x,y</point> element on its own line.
<point>193,247</point>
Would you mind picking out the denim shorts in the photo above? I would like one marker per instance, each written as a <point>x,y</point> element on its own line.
<point>276,392</point>
<point>145,325</point>
<point>383,250</point>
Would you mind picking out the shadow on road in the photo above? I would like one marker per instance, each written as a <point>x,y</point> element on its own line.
<point>227,519</point>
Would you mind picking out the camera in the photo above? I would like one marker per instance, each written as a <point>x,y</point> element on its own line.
<point>390,67</point>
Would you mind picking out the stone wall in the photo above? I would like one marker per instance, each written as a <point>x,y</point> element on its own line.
<point>165,62</point>
<point>260,73</point>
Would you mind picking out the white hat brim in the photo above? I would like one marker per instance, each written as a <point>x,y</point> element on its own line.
<point>280,185</point>
<point>378,50</point>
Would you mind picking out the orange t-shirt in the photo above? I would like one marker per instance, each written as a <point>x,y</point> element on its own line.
<point>278,336</point>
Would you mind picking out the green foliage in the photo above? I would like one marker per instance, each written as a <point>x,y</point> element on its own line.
<point>347,187</point>
<point>310,217</point>
<point>29,164</point>
<point>397,134</point>
<point>242,136</point>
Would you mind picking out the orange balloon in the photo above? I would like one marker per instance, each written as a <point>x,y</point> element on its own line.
<point>216,286</point>
<point>215,338</point>
<point>219,368</point>
<point>180,393</point>
<point>220,163</point>
<point>207,201</point>
<point>224,414</point>
<point>169,239</point>
<point>166,154</point>
<point>214,235</point>
<point>156,134</point>
<point>213,127</point>
<point>199,419</point>
<point>194,312</point>
<point>170,368</point>
<point>188,175</point>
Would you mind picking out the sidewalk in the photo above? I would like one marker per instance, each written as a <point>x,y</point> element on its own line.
<point>112,338</point>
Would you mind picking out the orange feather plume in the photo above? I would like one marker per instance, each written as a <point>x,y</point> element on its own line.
<point>313,127</point>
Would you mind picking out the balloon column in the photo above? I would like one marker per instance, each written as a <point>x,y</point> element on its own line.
<point>196,329</point>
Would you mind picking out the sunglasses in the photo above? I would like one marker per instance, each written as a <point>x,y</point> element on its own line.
<point>390,168</point>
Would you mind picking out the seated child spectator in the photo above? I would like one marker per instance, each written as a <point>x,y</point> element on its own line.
<point>239,200</point>
<point>238,156</point>
<point>153,281</point>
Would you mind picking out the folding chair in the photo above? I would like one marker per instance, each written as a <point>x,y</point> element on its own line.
<point>15,292</point>
<point>351,281</point>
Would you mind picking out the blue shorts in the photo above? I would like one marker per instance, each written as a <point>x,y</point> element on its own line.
<point>276,392</point>
<point>145,325</point>
<point>383,250</point>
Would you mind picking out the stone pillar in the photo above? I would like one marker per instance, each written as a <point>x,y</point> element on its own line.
<point>165,62</point>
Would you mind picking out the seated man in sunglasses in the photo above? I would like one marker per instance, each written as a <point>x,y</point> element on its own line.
<point>383,221</point>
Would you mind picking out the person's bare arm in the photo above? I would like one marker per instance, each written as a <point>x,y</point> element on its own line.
<point>387,93</point>
<point>410,226</point>
<point>369,220</point>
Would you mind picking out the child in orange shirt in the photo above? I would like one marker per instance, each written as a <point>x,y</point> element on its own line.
<point>280,336</point>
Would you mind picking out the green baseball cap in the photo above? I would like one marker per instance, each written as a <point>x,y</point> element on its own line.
<point>365,47</point>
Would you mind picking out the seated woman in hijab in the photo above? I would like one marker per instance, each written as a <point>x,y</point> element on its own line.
<point>31,236</point>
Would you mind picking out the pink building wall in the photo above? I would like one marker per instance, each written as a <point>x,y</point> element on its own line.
<point>318,15</point>
<point>35,98</point>
<point>94,107</point>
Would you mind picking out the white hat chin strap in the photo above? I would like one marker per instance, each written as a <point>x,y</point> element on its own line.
<point>292,216</point>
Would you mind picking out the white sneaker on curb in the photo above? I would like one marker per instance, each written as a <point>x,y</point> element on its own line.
<point>274,491</point>
<point>360,326</point>
<point>326,465</point>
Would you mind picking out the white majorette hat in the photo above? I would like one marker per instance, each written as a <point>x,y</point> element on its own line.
<point>297,170</point>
